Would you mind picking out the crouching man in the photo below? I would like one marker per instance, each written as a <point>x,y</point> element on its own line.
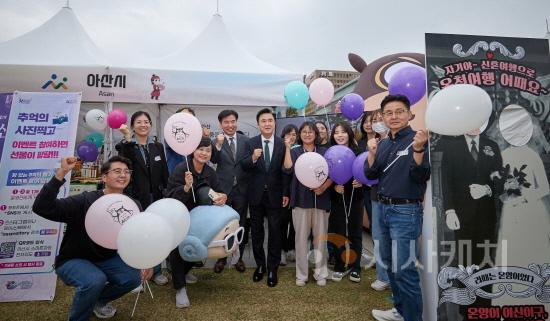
<point>99,274</point>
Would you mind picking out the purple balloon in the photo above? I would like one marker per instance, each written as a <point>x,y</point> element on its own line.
<point>410,82</point>
<point>87,151</point>
<point>340,160</point>
<point>359,171</point>
<point>352,106</point>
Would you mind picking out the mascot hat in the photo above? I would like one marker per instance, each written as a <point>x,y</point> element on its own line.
<point>206,222</point>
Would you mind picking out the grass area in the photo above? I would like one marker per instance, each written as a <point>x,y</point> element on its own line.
<point>228,296</point>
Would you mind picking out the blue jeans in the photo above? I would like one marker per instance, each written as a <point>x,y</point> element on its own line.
<point>400,228</point>
<point>381,273</point>
<point>90,280</point>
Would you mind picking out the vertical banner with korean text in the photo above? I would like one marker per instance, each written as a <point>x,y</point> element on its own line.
<point>41,128</point>
<point>490,186</point>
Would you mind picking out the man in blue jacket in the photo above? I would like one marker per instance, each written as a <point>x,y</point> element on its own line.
<point>400,162</point>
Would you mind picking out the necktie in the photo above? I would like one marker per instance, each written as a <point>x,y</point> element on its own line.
<point>232,146</point>
<point>267,157</point>
<point>145,154</point>
<point>473,150</point>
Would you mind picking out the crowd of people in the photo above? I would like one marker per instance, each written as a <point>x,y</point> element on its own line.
<point>255,176</point>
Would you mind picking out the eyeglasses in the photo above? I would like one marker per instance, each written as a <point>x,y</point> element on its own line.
<point>397,113</point>
<point>230,240</point>
<point>120,171</point>
<point>307,133</point>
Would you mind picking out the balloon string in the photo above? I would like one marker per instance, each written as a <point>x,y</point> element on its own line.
<point>149,287</point>
<point>348,242</point>
<point>344,202</point>
<point>399,155</point>
<point>192,189</point>
<point>135,303</point>
<point>328,122</point>
<point>315,201</point>
<point>348,211</point>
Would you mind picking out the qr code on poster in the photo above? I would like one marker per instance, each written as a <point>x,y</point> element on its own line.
<point>7,250</point>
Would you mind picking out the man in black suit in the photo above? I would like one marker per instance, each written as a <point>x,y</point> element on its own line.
<point>267,194</point>
<point>229,149</point>
<point>471,183</point>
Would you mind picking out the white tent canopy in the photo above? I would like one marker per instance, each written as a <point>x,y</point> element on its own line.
<point>212,70</point>
<point>59,41</point>
<point>215,50</point>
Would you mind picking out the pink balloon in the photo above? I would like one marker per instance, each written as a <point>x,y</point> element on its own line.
<point>106,216</point>
<point>183,133</point>
<point>321,91</point>
<point>116,118</point>
<point>311,169</point>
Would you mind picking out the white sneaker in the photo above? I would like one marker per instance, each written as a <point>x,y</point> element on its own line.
<point>191,278</point>
<point>283,258</point>
<point>160,279</point>
<point>337,276</point>
<point>388,315</point>
<point>291,256</point>
<point>322,282</point>
<point>182,301</point>
<point>104,312</point>
<point>300,282</point>
<point>138,289</point>
<point>379,285</point>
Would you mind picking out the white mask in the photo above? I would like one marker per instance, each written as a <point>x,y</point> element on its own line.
<point>379,127</point>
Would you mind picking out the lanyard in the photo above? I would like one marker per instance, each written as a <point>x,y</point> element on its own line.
<point>399,154</point>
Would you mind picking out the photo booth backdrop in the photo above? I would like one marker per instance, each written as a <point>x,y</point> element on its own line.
<point>515,72</point>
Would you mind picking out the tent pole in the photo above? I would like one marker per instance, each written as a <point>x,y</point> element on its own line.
<point>108,147</point>
<point>160,128</point>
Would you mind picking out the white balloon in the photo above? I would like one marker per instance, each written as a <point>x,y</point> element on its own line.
<point>458,109</point>
<point>145,241</point>
<point>96,119</point>
<point>176,214</point>
<point>106,216</point>
<point>311,169</point>
<point>183,133</point>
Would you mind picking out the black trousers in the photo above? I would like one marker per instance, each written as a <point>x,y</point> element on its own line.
<point>287,230</point>
<point>273,215</point>
<point>180,268</point>
<point>337,220</point>
<point>239,203</point>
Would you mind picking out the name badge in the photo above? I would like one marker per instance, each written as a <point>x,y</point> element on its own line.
<point>157,158</point>
<point>403,153</point>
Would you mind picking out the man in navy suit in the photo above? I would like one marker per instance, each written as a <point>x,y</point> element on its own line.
<point>266,195</point>
<point>229,149</point>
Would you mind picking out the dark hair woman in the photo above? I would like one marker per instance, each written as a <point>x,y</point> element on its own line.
<point>346,214</point>
<point>150,171</point>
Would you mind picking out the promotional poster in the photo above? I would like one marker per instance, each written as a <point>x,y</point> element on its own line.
<point>40,129</point>
<point>490,187</point>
